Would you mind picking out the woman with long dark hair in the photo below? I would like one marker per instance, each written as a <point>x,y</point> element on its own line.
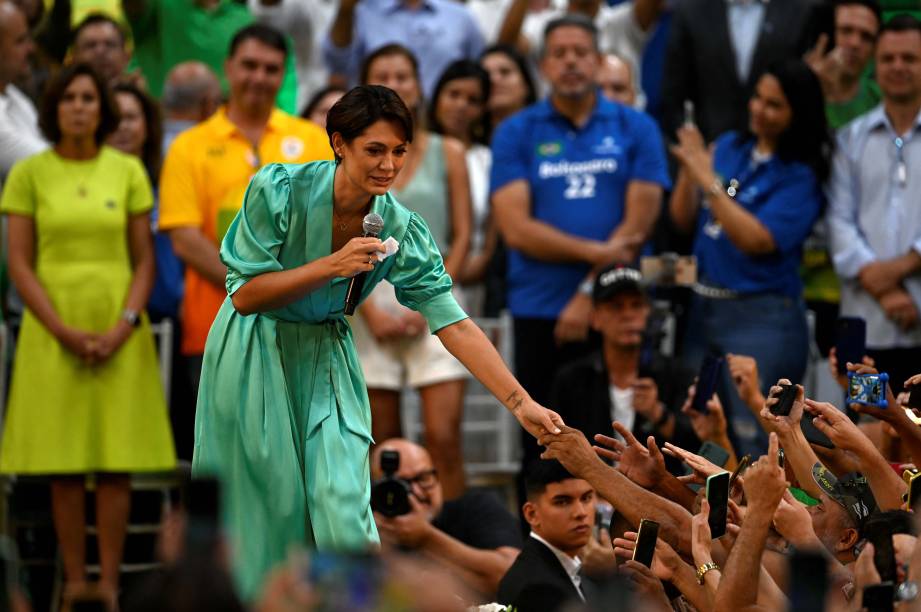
<point>458,109</point>
<point>753,202</point>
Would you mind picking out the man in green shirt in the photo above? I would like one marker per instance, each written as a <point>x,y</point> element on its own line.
<point>849,90</point>
<point>168,32</point>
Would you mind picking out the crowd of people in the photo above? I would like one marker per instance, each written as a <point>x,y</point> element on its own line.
<point>559,154</point>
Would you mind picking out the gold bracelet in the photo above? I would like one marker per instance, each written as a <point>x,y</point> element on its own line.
<point>703,569</point>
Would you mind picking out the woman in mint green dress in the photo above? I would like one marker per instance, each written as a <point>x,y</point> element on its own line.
<point>283,416</point>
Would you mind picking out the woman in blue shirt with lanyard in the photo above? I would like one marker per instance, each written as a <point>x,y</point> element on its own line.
<point>761,193</point>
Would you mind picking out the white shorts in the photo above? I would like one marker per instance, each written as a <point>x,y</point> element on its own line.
<point>414,362</point>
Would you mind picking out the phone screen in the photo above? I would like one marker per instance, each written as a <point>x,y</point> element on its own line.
<point>914,397</point>
<point>718,496</point>
<point>708,378</point>
<point>850,341</point>
<point>646,542</point>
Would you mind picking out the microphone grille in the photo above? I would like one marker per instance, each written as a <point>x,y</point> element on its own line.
<point>372,224</point>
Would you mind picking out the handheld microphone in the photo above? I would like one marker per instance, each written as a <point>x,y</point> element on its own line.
<point>372,226</point>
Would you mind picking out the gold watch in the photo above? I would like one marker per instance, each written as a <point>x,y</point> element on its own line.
<point>703,569</point>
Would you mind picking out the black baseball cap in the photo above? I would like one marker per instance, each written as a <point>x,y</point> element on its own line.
<point>851,491</point>
<point>616,279</point>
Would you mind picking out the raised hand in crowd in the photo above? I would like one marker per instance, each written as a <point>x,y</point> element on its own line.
<point>893,415</point>
<point>645,585</point>
<point>744,373</point>
<point>841,379</point>
<point>668,566</point>
<point>571,448</point>
<point>793,522</point>
<point>712,426</point>
<point>886,485</point>
<point>703,468</point>
<point>800,455</point>
<point>644,465</point>
<point>764,488</point>
<point>597,555</point>
<point>702,547</point>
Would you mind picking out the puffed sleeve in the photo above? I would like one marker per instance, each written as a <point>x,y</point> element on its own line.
<point>252,243</point>
<point>419,278</point>
<point>19,195</point>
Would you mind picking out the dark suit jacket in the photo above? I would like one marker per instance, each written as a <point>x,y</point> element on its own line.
<point>700,62</point>
<point>536,581</point>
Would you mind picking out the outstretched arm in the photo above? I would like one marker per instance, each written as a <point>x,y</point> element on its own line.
<point>471,347</point>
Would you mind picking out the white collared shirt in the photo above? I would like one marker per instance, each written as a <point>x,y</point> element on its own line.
<point>745,19</point>
<point>572,565</point>
<point>19,133</point>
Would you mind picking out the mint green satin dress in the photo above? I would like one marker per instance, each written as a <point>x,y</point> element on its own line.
<point>283,417</point>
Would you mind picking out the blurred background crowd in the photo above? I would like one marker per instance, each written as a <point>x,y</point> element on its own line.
<point>667,213</point>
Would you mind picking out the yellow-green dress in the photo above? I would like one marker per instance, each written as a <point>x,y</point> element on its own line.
<point>64,416</point>
<point>283,415</point>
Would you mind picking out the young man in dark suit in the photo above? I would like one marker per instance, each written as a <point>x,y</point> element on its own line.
<point>561,511</point>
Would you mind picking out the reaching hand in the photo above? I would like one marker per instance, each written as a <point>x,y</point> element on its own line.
<point>598,555</point>
<point>887,415</point>
<point>783,425</point>
<point>765,481</point>
<point>710,426</point>
<point>841,379</point>
<point>536,419</point>
<point>703,468</point>
<point>665,561</point>
<point>646,585</point>
<point>571,448</point>
<point>837,426</point>
<point>645,466</point>
<point>744,372</point>
<point>701,540</point>
<point>793,522</point>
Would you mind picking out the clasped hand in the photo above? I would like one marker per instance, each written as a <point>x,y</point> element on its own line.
<point>92,348</point>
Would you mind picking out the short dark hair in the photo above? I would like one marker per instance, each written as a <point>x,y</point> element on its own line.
<point>903,22</point>
<point>150,152</point>
<point>363,106</point>
<point>541,473</point>
<point>464,69</point>
<point>267,35</point>
<point>386,51</point>
<point>575,20</point>
<point>523,68</point>
<point>872,5</point>
<point>48,115</point>
<point>317,97</point>
<point>97,19</point>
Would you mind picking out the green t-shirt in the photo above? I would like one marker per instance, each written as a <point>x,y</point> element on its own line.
<point>840,113</point>
<point>173,31</point>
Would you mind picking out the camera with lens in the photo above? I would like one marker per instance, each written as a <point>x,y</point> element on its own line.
<point>390,495</point>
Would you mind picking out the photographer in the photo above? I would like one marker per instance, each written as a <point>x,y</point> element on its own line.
<point>620,383</point>
<point>473,535</point>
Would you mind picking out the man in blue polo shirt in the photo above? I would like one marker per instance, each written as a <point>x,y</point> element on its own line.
<point>576,184</point>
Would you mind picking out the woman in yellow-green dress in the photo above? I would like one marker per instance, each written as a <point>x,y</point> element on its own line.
<point>86,394</point>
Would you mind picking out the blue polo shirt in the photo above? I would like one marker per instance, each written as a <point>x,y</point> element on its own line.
<point>784,196</point>
<point>578,179</point>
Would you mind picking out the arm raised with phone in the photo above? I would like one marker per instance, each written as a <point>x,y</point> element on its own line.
<point>764,488</point>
